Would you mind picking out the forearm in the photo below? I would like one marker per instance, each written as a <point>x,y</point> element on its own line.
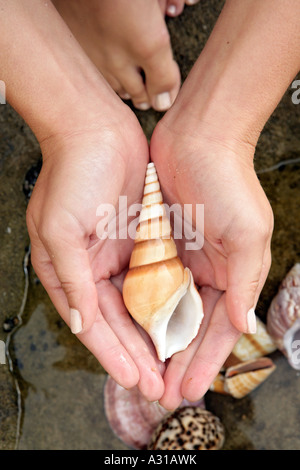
<point>249,61</point>
<point>48,77</point>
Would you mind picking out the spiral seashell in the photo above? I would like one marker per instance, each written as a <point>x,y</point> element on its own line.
<point>241,379</point>
<point>283,317</point>
<point>188,428</point>
<point>158,291</point>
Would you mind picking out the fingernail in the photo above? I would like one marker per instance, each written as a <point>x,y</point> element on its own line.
<point>171,10</point>
<point>251,321</point>
<point>163,101</point>
<point>143,106</point>
<point>75,321</point>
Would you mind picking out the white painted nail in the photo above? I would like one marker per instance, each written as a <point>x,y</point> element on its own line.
<point>75,321</point>
<point>171,10</point>
<point>163,101</point>
<point>191,2</point>
<point>251,321</point>
<point>143,106</point>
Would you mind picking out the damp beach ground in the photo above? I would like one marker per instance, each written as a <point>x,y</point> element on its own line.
<point>51,387</point>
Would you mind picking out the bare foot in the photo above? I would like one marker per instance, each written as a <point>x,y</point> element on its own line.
<point>129,43</point>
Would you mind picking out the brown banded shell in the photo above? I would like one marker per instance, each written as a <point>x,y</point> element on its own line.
<point>188,428</point>
<point>252,346</point>
<point>283,317</point>
<point>131,417</point>
<point>241,379</point>
<point>158,291</point>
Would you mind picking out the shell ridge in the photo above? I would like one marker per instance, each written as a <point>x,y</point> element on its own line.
<point>157,281</point>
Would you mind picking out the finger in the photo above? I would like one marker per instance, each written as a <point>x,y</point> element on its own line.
<point>245,280</point>
<point>67,253</point>
<point>179,362</point>
<point>114,312</point>
<point>219,340</point>
<point>99,339</point>
<point>161,366</point>
<point>267,260</point>
<point>103,343</point>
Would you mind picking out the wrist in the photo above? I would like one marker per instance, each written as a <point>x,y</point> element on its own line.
<point>78,109</point>
<point>242,72</point>
<point>53,86</point>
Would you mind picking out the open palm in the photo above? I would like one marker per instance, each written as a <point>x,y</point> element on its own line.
<point>231,266</point>
<point>78,264</point>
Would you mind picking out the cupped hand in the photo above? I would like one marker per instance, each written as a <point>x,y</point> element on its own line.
<point>233,263</point>
<point>78,260</point>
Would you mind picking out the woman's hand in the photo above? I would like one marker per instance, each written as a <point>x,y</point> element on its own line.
<point>232,265</point>
<point>203,149</point>
<point>82,177</point>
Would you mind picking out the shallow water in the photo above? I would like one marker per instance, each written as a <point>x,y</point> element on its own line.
<point>51,393</point>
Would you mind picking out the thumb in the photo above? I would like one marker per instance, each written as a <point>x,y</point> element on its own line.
<point>243,288</point>
<point>72,267</point>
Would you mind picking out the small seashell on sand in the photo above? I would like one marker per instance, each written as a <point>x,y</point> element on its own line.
<point>241,379</point>
<point>283,317</point>
<point>188,428</point>
<point>251,346</point>
<point>131,417</point>
<point>218,384</point>
<point>158,291</point>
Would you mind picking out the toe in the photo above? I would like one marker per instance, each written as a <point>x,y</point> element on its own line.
<point>174,7</point>
<point>162,80</point>
<point>133,83</point>
<point>191,2</point>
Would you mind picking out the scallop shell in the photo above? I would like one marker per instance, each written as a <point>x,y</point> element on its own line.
<point>252,346</point>
<point>283,317</point>
<point>158,291</point>
<point>241,379</point>
<point>131,417</point>
<point>189,428</point>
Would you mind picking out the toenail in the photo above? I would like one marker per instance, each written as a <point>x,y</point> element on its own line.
<point>143,106</point>
<point>125,96</point>
<point>191,2</point>
<point>162,101</point>
<point>171,10</point>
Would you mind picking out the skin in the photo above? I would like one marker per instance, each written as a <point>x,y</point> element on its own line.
<point>95,143</point>
<point>203,149</point>
<point>108,32</point>
<point>175,7</point>
<point>94,151</point>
